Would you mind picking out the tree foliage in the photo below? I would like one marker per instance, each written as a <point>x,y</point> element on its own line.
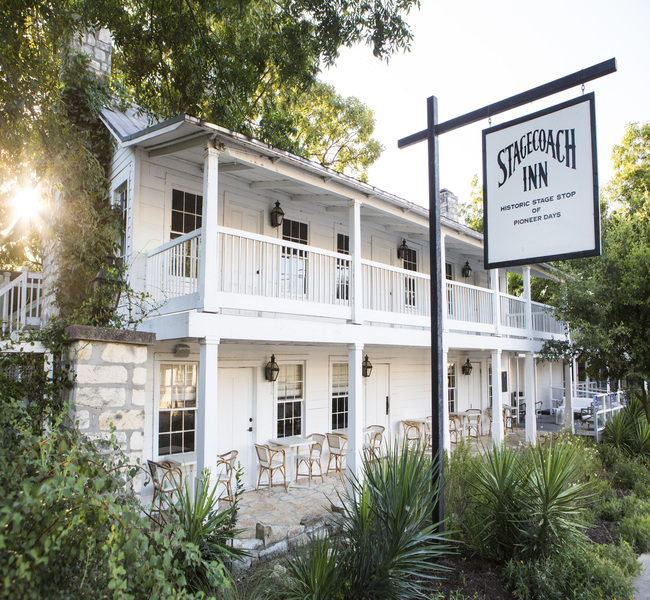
<point>472,213</point>
<point>606,299</point>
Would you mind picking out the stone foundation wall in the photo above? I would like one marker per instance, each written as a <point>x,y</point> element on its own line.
<point>109,368</point>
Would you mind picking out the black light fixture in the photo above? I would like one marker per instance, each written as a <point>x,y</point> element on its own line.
<point>271,370</point>
<point>403,250</point>
<point>366,367</point>
<point>277,214</point>
<point>467,270</point>
<point>107,289</point>
<point>466,369</point>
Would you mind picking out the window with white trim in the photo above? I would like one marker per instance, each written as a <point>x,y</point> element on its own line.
<point>187,213</point>
<point>410,264</point>
<point>294,261</point>
<point>342,267</point>
<point>122,203</point>
<point>339,396</point>
<point>451,387</point>
<point>177,408</point>
<point>290,400</point>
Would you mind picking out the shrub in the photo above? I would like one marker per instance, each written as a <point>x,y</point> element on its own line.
<point>582,573</point>
<point>635,530</point>
<point>630,473</point>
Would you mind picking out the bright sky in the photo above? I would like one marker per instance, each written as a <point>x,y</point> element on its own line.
<point>471,53</point>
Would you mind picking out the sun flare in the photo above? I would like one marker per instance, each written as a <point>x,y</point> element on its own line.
<point>27,204</point>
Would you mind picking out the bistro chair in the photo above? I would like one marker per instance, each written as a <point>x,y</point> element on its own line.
<point>311,459</point>
<point>337,444</point>
<point>427,432</point>
<point>488,415</point>
<point>455,429</point>
<point>374,437</point>
<point>167,479</point>
<point>226,465</point>
<point>412,433</point>
<point>509,417</point>
<point>473,417</point>
<point>271,461</point>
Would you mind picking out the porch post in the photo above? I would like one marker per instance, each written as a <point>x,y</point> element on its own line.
<point>568,397</point>
<point>206,425</point>
<point>528,305</point>
<point>355,410</point>
<point>531,417</point>
<point>356,288</point>
<point>496,301</point>
<point>498,434</point>
<point>208,263</point>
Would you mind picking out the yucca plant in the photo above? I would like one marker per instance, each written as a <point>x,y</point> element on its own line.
<point>392,545</point>
<point>555,497</point>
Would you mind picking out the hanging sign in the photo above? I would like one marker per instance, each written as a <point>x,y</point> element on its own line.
<point>540,186</point>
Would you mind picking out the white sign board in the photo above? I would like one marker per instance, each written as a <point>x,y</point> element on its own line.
<point>540,187</point>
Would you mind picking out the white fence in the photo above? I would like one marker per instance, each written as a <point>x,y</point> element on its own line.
<point>600,411</point>
<point>20,302</point>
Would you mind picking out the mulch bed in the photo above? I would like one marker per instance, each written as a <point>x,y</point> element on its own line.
<point>473,577</point>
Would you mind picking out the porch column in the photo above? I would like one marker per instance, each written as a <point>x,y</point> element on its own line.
<point>206,425</point>
<point>208,283</point>
<point>496,301</point>
<point>446,441</point>
<point>531,417</point>
<point>356,277</point>
<point>568,398</point>
<point>498,434</point>
<point>355,410</point>
<point>528,305</point>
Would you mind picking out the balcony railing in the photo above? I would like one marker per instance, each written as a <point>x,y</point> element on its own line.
<point>20,302</point>
<point>262,273</point>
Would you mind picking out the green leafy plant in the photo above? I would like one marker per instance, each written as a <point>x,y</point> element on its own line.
<point>635,530</point>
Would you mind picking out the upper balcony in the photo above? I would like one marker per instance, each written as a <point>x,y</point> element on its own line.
<point>259,273</point>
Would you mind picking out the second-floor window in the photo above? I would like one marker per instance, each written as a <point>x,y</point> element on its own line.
<point>187,213</point>
<point>294,261</point>
<point>410,264</point>
<point>121,201</point>
<point>342,268</point>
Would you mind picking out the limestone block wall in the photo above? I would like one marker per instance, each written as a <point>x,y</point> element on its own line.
<point>109,369</point>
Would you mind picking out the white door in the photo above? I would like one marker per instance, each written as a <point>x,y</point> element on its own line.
<point>236,418</point>
<point>377,399</point>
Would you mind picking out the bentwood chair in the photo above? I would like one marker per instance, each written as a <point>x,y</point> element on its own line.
<point>337,444</point>
<point>372,445</point>
<point>412,433</point>
<point>311,459</point>
<point>271,461</point>
<point>455,429</point>
<point>167,479</point>
<point>226,466</point>
<point>473,419</point>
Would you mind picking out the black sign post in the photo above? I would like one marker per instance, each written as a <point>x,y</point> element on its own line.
<point>431,133</point>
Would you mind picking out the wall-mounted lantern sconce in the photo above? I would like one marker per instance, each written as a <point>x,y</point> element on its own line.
<point>271,370</point>
<point>366,367</point>
<point>402,251</point>
<point>277,214</point>
<point>467,270</point>
<point>467,368</point>
<point>182,350</point>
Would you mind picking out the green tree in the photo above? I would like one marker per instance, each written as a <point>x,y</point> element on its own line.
<point>472,213</point>
<point>606,299</point>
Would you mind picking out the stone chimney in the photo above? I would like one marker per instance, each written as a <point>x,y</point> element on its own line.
<point>98,46</point>
<point>448,205</point>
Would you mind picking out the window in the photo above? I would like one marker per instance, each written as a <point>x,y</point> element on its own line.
<point>177,408</point>
<point>451,386</point>
<point>294,261</point>
<point>410,264</point>
<point>490,386</point>
<point>339,396</point>
<point>342,268</point>
<point>290,400</point>
<point>187,212</point>
<point>121,201</point>
<point>449,271</point>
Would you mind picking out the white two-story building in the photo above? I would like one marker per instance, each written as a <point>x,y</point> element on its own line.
<point>345,276</point>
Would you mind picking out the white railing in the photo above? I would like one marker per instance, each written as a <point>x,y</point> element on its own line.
<point>20,302</point>
<point>544,319</point>
<point>173,268</point>
<point>393,290</point>
<point>601,410</point>
<point>513,311</point>
<point>256,265</point>
<point>469,303</point>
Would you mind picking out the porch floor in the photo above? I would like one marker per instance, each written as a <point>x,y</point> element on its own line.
<point>302,508</point>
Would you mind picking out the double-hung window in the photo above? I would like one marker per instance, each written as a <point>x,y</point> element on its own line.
<point>339,396</point>
<point>342,267</point>
<point>291,386</point>
<point>177,408</point>
<point>451,387</point>
<point>187,215</point>
<point>410,284</point>
<point>294,260</point>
